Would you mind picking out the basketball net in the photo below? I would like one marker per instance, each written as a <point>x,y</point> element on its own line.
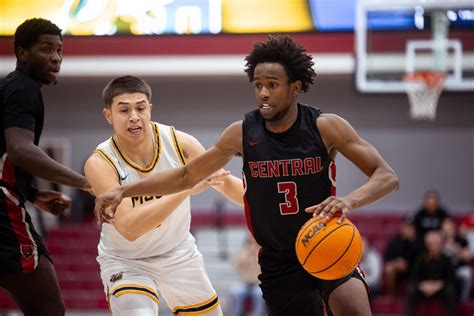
<point>423,89</point>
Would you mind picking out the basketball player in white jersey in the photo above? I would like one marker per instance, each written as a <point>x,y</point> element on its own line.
<point>148,247</point>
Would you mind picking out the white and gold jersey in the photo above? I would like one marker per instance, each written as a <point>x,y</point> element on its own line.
<point>175,228</point>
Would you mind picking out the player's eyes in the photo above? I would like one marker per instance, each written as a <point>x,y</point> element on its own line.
<point>46,50</point>
<point>258,85</point>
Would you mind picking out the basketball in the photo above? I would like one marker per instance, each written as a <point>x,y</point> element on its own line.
<point>328,250</point>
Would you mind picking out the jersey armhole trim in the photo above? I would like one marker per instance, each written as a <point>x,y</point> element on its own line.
<point>108,159</point>
<point>177,146</point>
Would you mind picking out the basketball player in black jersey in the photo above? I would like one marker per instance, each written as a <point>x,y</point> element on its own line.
<point>26,270</point>
<point>288,151</point>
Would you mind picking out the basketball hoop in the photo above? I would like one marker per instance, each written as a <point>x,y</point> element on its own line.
<point>423,89</point>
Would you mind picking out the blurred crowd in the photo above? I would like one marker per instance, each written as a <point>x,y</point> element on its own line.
<point>429,259</point>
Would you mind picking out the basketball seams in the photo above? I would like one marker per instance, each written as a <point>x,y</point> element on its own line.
<point>341,256</point>
<point>322,239</point>
<point>303,231</point>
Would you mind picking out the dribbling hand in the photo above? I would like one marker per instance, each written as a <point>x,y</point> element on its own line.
<point>329,207</point>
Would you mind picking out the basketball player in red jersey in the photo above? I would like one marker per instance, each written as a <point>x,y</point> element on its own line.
<point>288,151</point>
<point>26,270</point>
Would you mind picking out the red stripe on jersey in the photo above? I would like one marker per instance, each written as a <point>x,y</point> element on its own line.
<point>8,173</point>
<point>247,215</point>
<point>332,177</point>
<point>20,229</point>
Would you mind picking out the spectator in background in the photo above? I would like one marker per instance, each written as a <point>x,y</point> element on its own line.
<point>400,255</point>
<point>371,264</point>
<point>433,276</point>
<point>457,249</point>
<point>430,216</point>
<point>466,229</point>
<point>249,270</point>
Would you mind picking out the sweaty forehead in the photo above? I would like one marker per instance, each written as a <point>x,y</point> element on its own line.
<point>270,71</point>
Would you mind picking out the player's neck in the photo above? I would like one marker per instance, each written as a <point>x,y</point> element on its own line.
<point>141,151</point>
<point>286,122</point>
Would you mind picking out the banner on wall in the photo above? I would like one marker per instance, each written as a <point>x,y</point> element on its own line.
<point>150,17</point>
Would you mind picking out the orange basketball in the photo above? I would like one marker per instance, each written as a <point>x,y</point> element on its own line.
<point>329,250</point>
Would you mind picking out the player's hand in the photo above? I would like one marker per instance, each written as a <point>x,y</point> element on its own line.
<point>329,207</point>
<point>106,205</point>
<point>52,202</point>
<point>214,180</point>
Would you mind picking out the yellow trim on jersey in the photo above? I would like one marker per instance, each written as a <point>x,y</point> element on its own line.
<point>156,156</point>
<point>199,308</point>
<point>135,289</point>
<point>108,159</point>
<point>177,147</point>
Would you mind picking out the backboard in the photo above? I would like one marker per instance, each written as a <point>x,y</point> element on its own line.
<point>429,35</point>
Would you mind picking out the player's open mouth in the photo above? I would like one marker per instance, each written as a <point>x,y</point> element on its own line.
<point>265,106</point>
<point>135,130</point>
<point>54,73</point>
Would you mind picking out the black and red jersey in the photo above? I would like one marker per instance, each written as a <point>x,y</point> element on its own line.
<point>284,173</point>
<point>21,105</point>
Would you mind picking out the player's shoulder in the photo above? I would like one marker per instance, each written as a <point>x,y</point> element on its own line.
<point>19,83</point>
<point>330,121</point>
<point>98,164</point>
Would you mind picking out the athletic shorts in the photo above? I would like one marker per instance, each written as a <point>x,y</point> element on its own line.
<point>299,293</point>
<point>179,276</point>
<point>20,245</point>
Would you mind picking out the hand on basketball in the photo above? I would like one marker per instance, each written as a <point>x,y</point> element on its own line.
<point>214,180</point>
<point>52,202</point>
<point>106,205</point>
<point>329,207</point>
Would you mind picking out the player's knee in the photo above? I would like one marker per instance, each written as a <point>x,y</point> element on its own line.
<point>133,305</point>
<point>350,298</point>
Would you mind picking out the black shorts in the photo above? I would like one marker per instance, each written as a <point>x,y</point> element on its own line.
<point>299,293</point>
<point>20,244</point>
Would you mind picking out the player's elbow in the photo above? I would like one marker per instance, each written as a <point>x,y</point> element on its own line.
<point>126,230</point>
<point>393,181</point>
<point>188,181</point>
<point>16,153</point>
<point>128,235</point>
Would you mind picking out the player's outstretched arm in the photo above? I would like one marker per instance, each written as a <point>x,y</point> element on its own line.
<point>24,153</point>
<point>176,179</point>
<point>232,187</point>
<point>133,221</point>
<point>338,135</point>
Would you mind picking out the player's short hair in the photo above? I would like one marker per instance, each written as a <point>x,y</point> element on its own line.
<point>125,84</point>
<point>284,50</point>
<point>28,32</point>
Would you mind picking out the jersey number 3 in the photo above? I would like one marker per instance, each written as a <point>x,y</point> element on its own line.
<point>290,206</point>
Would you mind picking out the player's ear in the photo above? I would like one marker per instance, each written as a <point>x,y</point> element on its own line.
<point>23,54</point>
<point>296,87</point>
<point>107,114</point>
<point>151,107</point>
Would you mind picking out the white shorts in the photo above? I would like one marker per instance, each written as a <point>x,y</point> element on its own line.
<point>179,276</point>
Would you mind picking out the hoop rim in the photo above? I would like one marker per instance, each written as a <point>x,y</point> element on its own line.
<point>431,78</point>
